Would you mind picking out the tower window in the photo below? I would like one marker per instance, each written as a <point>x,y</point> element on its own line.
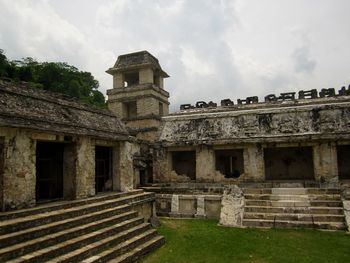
<point>131,78</point>
<point>156,79</point>
<point>161,111</point>
<point>130,109</point>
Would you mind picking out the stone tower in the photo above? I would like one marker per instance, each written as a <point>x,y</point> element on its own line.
<point>138,96</point>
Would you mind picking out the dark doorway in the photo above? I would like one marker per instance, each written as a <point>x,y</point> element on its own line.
<point>2,174</point>
<point>289,163</point>
<point>146,176</point>
<point>229,162</point>
<point>103,169</point>
<point>49,170</point>
<point>343,156</point>
<point>184,163</point>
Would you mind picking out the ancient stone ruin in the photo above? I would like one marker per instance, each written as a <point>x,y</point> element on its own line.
<point>280,162</point>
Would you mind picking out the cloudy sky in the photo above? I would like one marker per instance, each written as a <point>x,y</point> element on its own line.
<point>212,49</point>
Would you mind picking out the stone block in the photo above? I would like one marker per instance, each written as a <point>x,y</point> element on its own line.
<point>232,207</point>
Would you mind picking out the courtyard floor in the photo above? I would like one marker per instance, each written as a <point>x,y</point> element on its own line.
<point>204,241</point>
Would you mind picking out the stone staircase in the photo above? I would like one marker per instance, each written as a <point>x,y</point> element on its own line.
<point>294,207</point>
<point>97,229</point>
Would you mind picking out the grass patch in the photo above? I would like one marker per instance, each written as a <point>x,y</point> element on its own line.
<point>203,241</point>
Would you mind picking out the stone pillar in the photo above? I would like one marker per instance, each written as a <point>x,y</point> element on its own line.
<point>325,162</point>
<point>232,207</point>
<point>146,76</point>
<point>85,168</point>
<point>175,206</point>
<point>118,81</point>
<point>253,156</point>
<point>346,205</point>
<point>126,169</point>
<point>205,164</point>
<point>162,165</point>
<point>161,82</point>
<point>69,171</point>
<point>200,206</point>
<point>19,177</point>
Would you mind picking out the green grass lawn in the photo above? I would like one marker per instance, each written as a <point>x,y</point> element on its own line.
<point>197,240</point>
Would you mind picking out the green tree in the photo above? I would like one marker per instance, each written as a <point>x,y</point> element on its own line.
<point>54,76</point>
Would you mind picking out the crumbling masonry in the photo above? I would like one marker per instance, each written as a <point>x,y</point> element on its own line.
<point>288,141</point>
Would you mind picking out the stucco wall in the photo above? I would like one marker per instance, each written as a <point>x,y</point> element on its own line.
<point>126,170</point>
<point>19,169</point>
<point>85,168</point>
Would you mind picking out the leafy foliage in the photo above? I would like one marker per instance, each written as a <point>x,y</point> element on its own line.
<point>53,76</point>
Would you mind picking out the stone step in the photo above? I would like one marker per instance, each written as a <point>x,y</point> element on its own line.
<point>282,184</point>
<point>111,215</point>
<point>88,244</point>
<point>286,190</point>
<point>295,217</point>
<point>130,256</point>
<point>295,210</point>
<point>44,208</point>
<point>322,197</point>
<point>106,249</point>
<point>136,253</point>
<point>59,237</point>
<point>293,224</point>
<point>22,223</point>
<point>293,203</point>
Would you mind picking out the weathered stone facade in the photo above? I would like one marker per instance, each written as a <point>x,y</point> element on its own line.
<point>321,124</point>
<point>138,96</point>
<point>48,148</point>
<point>290,140</point>
<point>188,158</point>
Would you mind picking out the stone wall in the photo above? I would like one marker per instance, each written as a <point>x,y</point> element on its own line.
<point>321,125</point>
<point>295,122</point>
<point>127,172</point>
<point>147,97</point>
<point>324,166</point>
<point>85,168</point>
<point>19,169</point>
<point>188,205</point>
<point>18,179</point>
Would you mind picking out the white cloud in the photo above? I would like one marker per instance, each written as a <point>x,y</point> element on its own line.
<point>211,49</point>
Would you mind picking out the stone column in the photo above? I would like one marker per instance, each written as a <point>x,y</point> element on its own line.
<point>174,205</point>
<point>85,168</point>
<point>253,156</point>
<point>126,169</point>
<point>205,164</point>
<point>232,207</point>
<point>118,81</point>
<point>346,205</point>
<point>19,177</point>
<point>325,162</point>
<point>146,76</point>
<point>200,206</point>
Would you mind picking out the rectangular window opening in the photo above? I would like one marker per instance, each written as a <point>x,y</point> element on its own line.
<point>161,110</point>
<point>130,109</point>
<point>289,163</point>
<point>131,79</point>
<point>103,169</point>
<point>343,153</point>
<point>184,163</point>
<point>49,170</point>
<point>229,162</point>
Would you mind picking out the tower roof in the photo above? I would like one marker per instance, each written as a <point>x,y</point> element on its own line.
<point>136,60</point>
